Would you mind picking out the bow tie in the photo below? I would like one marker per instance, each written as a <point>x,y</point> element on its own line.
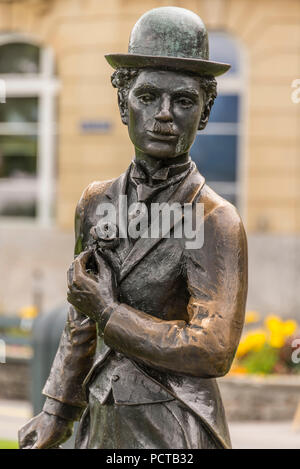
<point>148,181</point>
<point>141,170</point>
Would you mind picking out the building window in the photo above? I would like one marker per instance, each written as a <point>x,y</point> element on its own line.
<point>27,130</point>
<point>217,149</point>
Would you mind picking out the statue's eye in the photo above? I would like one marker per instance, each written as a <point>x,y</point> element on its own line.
<point>185,102</point>
<point>146,98</point>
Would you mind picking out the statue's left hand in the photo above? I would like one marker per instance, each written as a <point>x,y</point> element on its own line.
<point>91,292</point>
<point>45,431</point>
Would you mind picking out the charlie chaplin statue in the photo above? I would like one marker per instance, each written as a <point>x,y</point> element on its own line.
<point>152,321</point>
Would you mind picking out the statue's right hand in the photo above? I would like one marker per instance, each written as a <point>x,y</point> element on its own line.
<point>45,431</point>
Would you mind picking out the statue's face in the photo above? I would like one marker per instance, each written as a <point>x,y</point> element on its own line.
<point>164,110</point>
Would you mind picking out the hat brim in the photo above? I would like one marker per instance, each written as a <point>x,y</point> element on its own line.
<point>198,66</point>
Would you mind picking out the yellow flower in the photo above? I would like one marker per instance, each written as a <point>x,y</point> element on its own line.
<point>252,316</point>
<point>279,330</point>
<point>28,312</point>
<point>254,340</point>
<point>242,349</point>
<point>237,370</point>
<point>289,327</point>
<point>258,339</point>
<point>276,340</point>
<point>273,323</point>
<point>275,334</point>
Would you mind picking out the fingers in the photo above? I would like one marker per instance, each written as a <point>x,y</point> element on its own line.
<point>78,268</point>
<point>44,431</point>
<point>27,435</point>
<point>103,265</point>
<point>74,299</point>
<point>35,446</point>
<point>45,441</point>
<point>82,259</point>
<point>28,441</point>
<point>80,264</point>
<point>49,437</point>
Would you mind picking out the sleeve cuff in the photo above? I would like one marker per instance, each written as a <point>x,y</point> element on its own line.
<point>60,409</point>
<point>106,315</point>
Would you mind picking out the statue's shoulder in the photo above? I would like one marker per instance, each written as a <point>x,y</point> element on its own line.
<point>92,193</point>
<point>219,210</point>
<point>85,210</point>
<point>94,190</point>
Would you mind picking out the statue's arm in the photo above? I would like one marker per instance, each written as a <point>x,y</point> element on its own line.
<point>73,360</point>
<point>65,398</point>
<point>216,278</point>
<point>75,354</point>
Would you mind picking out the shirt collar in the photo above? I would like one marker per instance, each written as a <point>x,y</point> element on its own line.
<point>141,170</point>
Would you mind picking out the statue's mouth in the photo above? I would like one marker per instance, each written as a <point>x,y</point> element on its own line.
<point>163,136</point>
<point>164,131</point>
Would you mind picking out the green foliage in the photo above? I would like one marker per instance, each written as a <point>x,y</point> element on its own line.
<point>5,444</point>
<point>15,332</point>
<point>262,361</point>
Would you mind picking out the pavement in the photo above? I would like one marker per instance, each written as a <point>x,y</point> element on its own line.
<point>244,435</point>
<point>264,435</point>
<point>13,414</point>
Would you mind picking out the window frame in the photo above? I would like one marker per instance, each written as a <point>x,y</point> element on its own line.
<point>235,84</point>
<point>45,86</point>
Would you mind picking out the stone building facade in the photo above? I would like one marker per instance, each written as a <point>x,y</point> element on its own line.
<point>81,138</point>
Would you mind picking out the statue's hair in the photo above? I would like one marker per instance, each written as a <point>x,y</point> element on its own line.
<point>123,79</point>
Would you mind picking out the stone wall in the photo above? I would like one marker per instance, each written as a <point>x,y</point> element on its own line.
<point>15,379</point>
<point>274,398</point>
<point>28,252</point>
<point>274,274</point>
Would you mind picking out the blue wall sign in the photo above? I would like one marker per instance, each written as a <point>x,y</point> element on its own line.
<point>95,127</point>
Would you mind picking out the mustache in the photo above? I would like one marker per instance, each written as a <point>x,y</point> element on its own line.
<point>166,128</point>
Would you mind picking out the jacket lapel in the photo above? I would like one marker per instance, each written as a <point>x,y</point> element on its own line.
<point>187,191</point>
<point>116,189</point>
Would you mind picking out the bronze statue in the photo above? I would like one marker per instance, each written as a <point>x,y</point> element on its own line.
<point>151,322</point>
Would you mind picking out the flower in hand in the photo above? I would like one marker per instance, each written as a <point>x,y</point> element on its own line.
<point>90,291</point>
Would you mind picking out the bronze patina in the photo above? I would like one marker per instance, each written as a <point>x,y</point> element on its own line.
<point>152,323</point>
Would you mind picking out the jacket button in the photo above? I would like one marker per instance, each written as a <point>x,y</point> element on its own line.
<point>115,377</point>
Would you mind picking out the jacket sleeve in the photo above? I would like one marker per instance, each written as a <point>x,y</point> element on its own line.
<point>216,277</point>
<point>75,354</point>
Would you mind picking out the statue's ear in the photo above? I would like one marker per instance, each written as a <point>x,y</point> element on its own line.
<point>123,108</point>
<point>205,114</point>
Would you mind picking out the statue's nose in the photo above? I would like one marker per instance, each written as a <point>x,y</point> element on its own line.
<point>164,114</point>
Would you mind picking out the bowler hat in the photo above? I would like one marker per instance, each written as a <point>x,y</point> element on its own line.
<point>169,38</point>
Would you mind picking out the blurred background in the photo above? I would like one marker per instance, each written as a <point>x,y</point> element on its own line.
<point>60,129</point>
